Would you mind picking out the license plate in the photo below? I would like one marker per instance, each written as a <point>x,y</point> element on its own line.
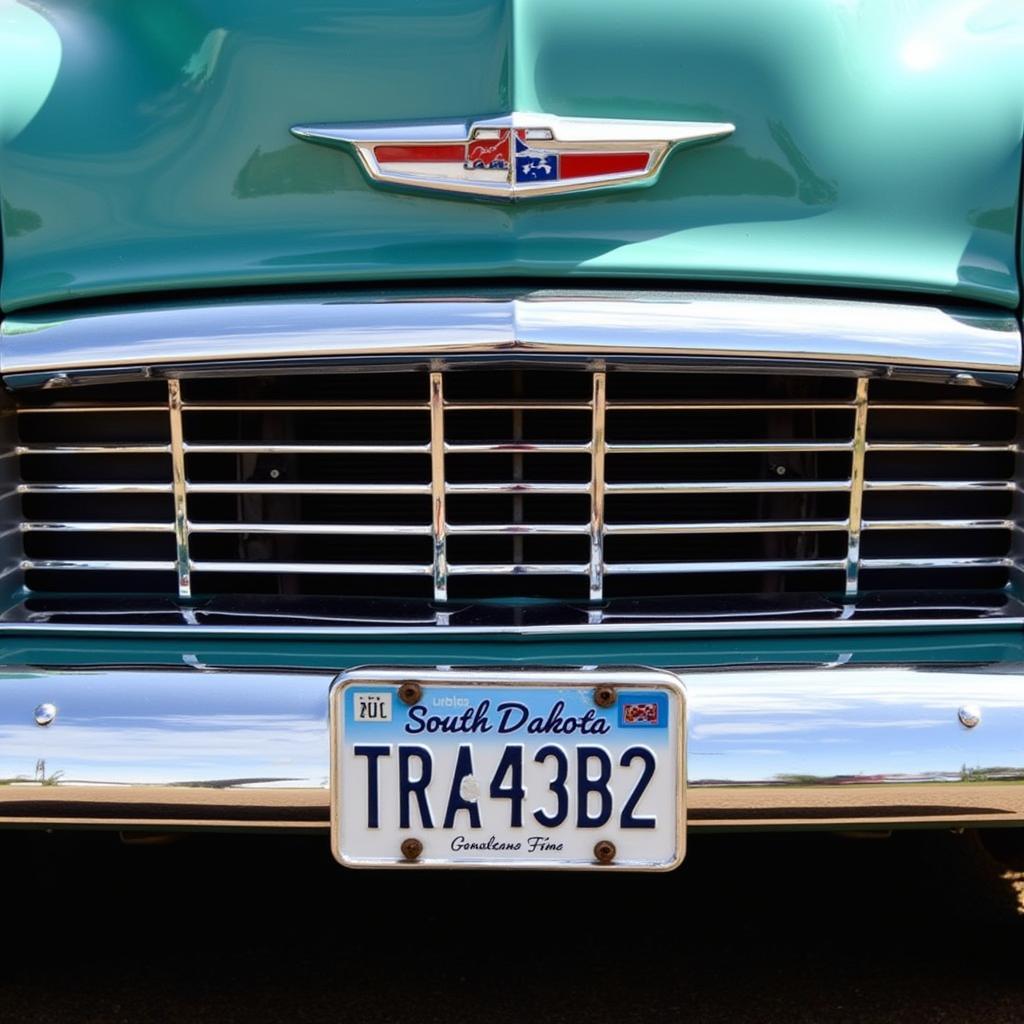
<point>531,768</point>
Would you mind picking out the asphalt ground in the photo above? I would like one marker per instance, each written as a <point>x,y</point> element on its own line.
<point>770,928</point>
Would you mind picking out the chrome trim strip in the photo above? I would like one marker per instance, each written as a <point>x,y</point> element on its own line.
<point>753,526</point>
<point>28,410</point>
<point>729,447</point>
<point>284,616</point>
<point>516,448</point>
<point>728,486</point>
<point>92,488</point>
<point>99,564</point>
<point>326,529</point>
<point>180,480</point>
<point>723,567</point>
<point>269,487</point>
<point>938,524</point>
<point>944,406</point>
<point>438,515</point>
<point>518,529</point>
<point>520,569</point>
<point>937,563</point>
<point>306,449</point>
<point>715,405</point>
<point>860,446</point>
<point>940,485</point>
<point>310,406</point>
<point>189,748</point>
<point>95,527</point>
<point>824,333</point>
<point>92,449</point>
<point>513,487</point>
<point>932,446</point>
<point>316,568</point>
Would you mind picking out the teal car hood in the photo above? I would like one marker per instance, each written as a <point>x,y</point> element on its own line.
<point>147,147</point>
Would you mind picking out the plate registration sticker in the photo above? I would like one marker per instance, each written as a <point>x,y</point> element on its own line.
<point>482,768</point>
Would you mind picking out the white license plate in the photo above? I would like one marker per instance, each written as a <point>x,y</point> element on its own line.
<point>509,768</point>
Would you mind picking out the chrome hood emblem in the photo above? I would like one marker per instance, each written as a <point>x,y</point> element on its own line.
<point>515,156</point>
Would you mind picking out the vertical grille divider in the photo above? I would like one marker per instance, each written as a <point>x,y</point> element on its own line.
<point>182,559</point>
<point>597,490</point>
<point>438,516</point>
<point>860,444</point>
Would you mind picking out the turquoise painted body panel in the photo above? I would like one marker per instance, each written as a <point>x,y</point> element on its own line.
<point>146,146</point>
<point>813,648</point>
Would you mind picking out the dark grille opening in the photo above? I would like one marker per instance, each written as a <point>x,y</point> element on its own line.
<point>311,550</point>
<point>670,385</point>
<point>56,581</point>
<point>726,547</point>
<point>325,484</point>
<point>775,467</point>
<point>737,584</point>
<point>500,467</point>
<point>726,508</point>
<point>938,543</point>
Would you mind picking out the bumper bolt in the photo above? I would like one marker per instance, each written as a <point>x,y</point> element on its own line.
<point>45,714</point>
<point>411,849</point>
<point>410,693</point>
<point>969,715</point>
<point>604,697</point>
<point>604,852</point>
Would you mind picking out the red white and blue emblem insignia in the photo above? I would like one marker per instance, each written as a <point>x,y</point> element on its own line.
<point>515,156</point>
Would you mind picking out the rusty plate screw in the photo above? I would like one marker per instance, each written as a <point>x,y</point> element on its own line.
<point>410,693</point>
<point>604,851</point>
<point>604,696</point>
<point>412,848</point>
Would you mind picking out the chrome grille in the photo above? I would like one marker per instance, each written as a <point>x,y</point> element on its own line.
<point>517,482</point>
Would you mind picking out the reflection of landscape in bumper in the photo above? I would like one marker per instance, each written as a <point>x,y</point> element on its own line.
<point>839,745</point>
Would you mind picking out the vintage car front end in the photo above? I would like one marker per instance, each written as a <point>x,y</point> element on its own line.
<point>506,487</point>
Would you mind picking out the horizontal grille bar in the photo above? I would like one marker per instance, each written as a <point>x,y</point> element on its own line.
<point>514,448</point>
<point>937,563</point>
<point>100,565</point>
<point>520,569</point>
<point>729,447</point>
<point>931,446</point>
<point>518,529</point>
<point>97,527</point>
<point>92,449</point>
<point>940,485</point>
<point>939,524</point>
<point>270,487</point>
<point>779,565</point>
<point>307,449</point>
<point>313,529</point>
<point>752,526</point>
<point>96,488</point>
<point>729,487</point>
<point>326,406</point>
<point>517,487</point>
<point>315,568</point>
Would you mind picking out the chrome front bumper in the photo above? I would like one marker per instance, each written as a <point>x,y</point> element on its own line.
<point>824,747</point>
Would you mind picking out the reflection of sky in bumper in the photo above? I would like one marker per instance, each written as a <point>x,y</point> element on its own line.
<point>158,726</point>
